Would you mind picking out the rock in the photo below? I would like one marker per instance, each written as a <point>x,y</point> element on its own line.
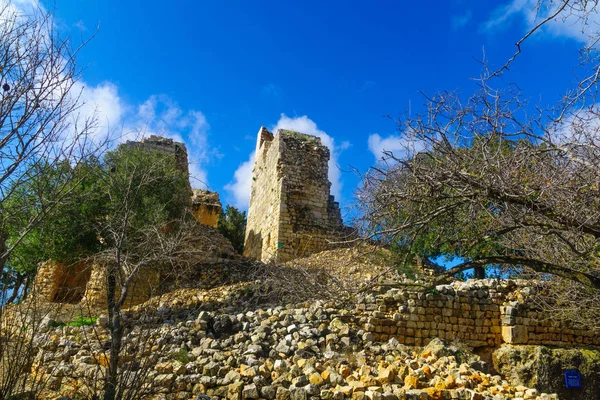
<point>221,325</point>
<point>411,382</point>
<point>254,349</point>
<point>282,393</point>
<point>164,380</point>
<point>268,392</point>
<point>250,392</point>
<point>283,348</point>
<point>298,394</point>
<point>345,370</point>
<point>515,334</point>
<point>234,390</point>
<point>211,369</point>
<point>542,368</point>
<point>315,379</point>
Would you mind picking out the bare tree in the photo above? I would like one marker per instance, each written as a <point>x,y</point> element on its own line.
<point>39,123</point>
<point>39,128</point>
<point>498,182</point>
<point>149,232</point>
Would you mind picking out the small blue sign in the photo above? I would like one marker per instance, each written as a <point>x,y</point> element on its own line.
<point>572,379</point>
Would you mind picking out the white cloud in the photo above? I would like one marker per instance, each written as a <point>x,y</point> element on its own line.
<point>460,21</point>
<point>103,102</point>
<point>581,129</point>
<point>160,115</point>
<point>573,22</point>
<point>399,146</point>
<point>115,120</point>
<point>240,187</point>
<point>242,182</point>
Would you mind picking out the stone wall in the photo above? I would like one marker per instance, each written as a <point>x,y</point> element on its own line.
<point>145,285</point>
<point>291,213</point>
<point>57,283</point>
<point>206,207</point>
<point>85,284</point>
<point>165,146</point>
<point>480,313</point>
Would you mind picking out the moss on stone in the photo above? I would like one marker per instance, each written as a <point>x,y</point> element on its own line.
<point>299,135</point>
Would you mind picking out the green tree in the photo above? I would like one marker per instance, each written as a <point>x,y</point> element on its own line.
<point>67,233</point>
<point>232,224</point>
<point>127,212</point>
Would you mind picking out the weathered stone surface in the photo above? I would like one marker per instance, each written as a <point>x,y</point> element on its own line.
<point>291,213</point>
<point>514,334</point>
<point>206,207</point>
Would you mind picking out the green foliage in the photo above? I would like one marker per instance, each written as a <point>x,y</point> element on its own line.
<point>160,188</point>
<point>77,322</point>
<point>97,193</point>
<point>83,321</point>
<point>232,224</point>
<point>65,198</point>
<point>182,356</point>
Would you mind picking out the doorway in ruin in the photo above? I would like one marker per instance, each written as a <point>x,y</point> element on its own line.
<point>58,283</point>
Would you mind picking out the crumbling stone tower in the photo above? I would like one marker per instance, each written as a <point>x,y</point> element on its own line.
<point>291,212</point>
<point>86,284</point>
<point>205,205</point>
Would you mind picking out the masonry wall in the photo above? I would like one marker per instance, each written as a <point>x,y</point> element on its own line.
<point>291,213</point>
<point>57,283</point>
<point>262,233</point>
<point>206,207</point>
<point>165,146</point>
<point>144,285</point>
<point>480,313</point>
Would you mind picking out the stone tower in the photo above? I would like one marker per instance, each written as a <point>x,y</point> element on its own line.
<point>291,212</point>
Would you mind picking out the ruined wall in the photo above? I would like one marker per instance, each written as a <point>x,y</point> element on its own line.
<point>144,285</point>
<point>478,312</point>
<point>86,284</point>
<point>57,283</point>
<point>165,146</point>
<point>206,207</point>
<point>291,213</point>
<point>262,227</point>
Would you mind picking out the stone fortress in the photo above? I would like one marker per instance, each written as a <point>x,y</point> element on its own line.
<point>85,284</point>
<point>291,213</point>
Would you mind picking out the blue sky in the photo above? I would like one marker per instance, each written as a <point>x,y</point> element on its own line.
<point>212,72</point>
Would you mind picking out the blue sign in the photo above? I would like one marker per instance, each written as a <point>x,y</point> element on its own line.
<point>572,379</point>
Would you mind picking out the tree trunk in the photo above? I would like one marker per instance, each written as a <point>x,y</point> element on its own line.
<point>479,272</point>
<point>3,256</point>
<point>116,333</point>
<point>15,292</point>
<point>27,287</point>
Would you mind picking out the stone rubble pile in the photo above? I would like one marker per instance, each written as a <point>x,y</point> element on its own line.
<point>310,352</point>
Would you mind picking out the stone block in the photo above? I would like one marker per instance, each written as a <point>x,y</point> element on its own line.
<point>515,334</point>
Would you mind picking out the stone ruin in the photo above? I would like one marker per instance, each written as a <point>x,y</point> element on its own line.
<point>206,207</point>
<point>291,213</point>
<point>85,284</point>
<point>165,146</point>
